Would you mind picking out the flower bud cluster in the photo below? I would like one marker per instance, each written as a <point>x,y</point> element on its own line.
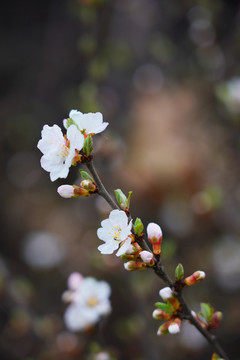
<point>138,259</point>
<point>193,279</point>
<point>86,188</point>
<point>168,310</point>
<point>207,317</point>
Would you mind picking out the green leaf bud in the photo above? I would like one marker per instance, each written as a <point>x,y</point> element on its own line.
<point>179,272</point>
<point>88,145</point>
<point>121,198</point>
<point>138,227</point>
<point>85,175</point>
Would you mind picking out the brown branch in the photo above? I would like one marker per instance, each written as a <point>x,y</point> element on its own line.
<point>160,272</point>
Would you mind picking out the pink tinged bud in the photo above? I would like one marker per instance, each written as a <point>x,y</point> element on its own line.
<point>134,265</point>
<point>66,191</point>
<point>159,314</point>
<point>154,233</point>
<point>74,281</point>
<point>194,278</point>
<point>166,293</point>
<point>146,256</point>
<point>216,318</point>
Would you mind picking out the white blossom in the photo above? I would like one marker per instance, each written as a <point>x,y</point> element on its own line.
<point>59,152</point>
<point>115,231</point>
<point>89,301</point>
<point>88,124</point>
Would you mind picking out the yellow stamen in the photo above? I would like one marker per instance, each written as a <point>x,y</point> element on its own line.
<point>92,302</point>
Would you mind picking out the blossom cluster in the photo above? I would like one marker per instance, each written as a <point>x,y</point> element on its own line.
<point>61,151</point>
<point>88,301</point>
<point>116,234</point>
<point>88,298</point>
<point>168,310</point>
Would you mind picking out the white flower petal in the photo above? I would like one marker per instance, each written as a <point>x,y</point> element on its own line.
<point>123,249</point>
<point>73,113</point>
<point>118,217</point>
<point>104,235</point>
<point>75,137</point>
<point>104,290</point>
<point>109,247</point>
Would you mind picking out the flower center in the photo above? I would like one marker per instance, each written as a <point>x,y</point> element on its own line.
<point>63,151</point>
<point>116,232</point>
<point>92,301</point>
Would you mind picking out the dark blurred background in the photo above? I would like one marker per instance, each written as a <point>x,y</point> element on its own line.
<point>166,76</point>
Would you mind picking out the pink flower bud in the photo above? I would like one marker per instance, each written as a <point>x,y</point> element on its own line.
<point>166,293</point>
<point>194,278</point>
<point>75,280</point>
<point>155,237</point>
<point>146,256</point>
<point>134,265</point>
<point>66,191</point>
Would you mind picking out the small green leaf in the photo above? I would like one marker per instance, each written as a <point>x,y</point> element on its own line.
<point>88,145</point>
<point>207,311</point>
<point>128,199</point>
<point>179,272</point>
<point>167,307</point>
<point>85,175</point>
<point>138,227</point>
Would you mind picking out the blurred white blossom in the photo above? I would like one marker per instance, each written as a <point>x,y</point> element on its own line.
<point>89,300</point>
<point>229,94</point>
<point>42,249</point>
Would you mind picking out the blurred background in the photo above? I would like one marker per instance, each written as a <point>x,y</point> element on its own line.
<point>166,76</point>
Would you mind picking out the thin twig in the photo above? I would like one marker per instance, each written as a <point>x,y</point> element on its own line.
<point>160,272</point>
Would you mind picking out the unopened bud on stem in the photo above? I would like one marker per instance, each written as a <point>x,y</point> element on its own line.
<point>88,185</point>
<point>134,265</point>
<point>154,233</point>
<point>194,278</point>
<point>66,191</point>
<point>146,257</point>
<point>174,327</point>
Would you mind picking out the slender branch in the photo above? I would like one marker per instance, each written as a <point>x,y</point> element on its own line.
<point>208,336</point>
<point>160,272</point>
<point>101,188</point>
